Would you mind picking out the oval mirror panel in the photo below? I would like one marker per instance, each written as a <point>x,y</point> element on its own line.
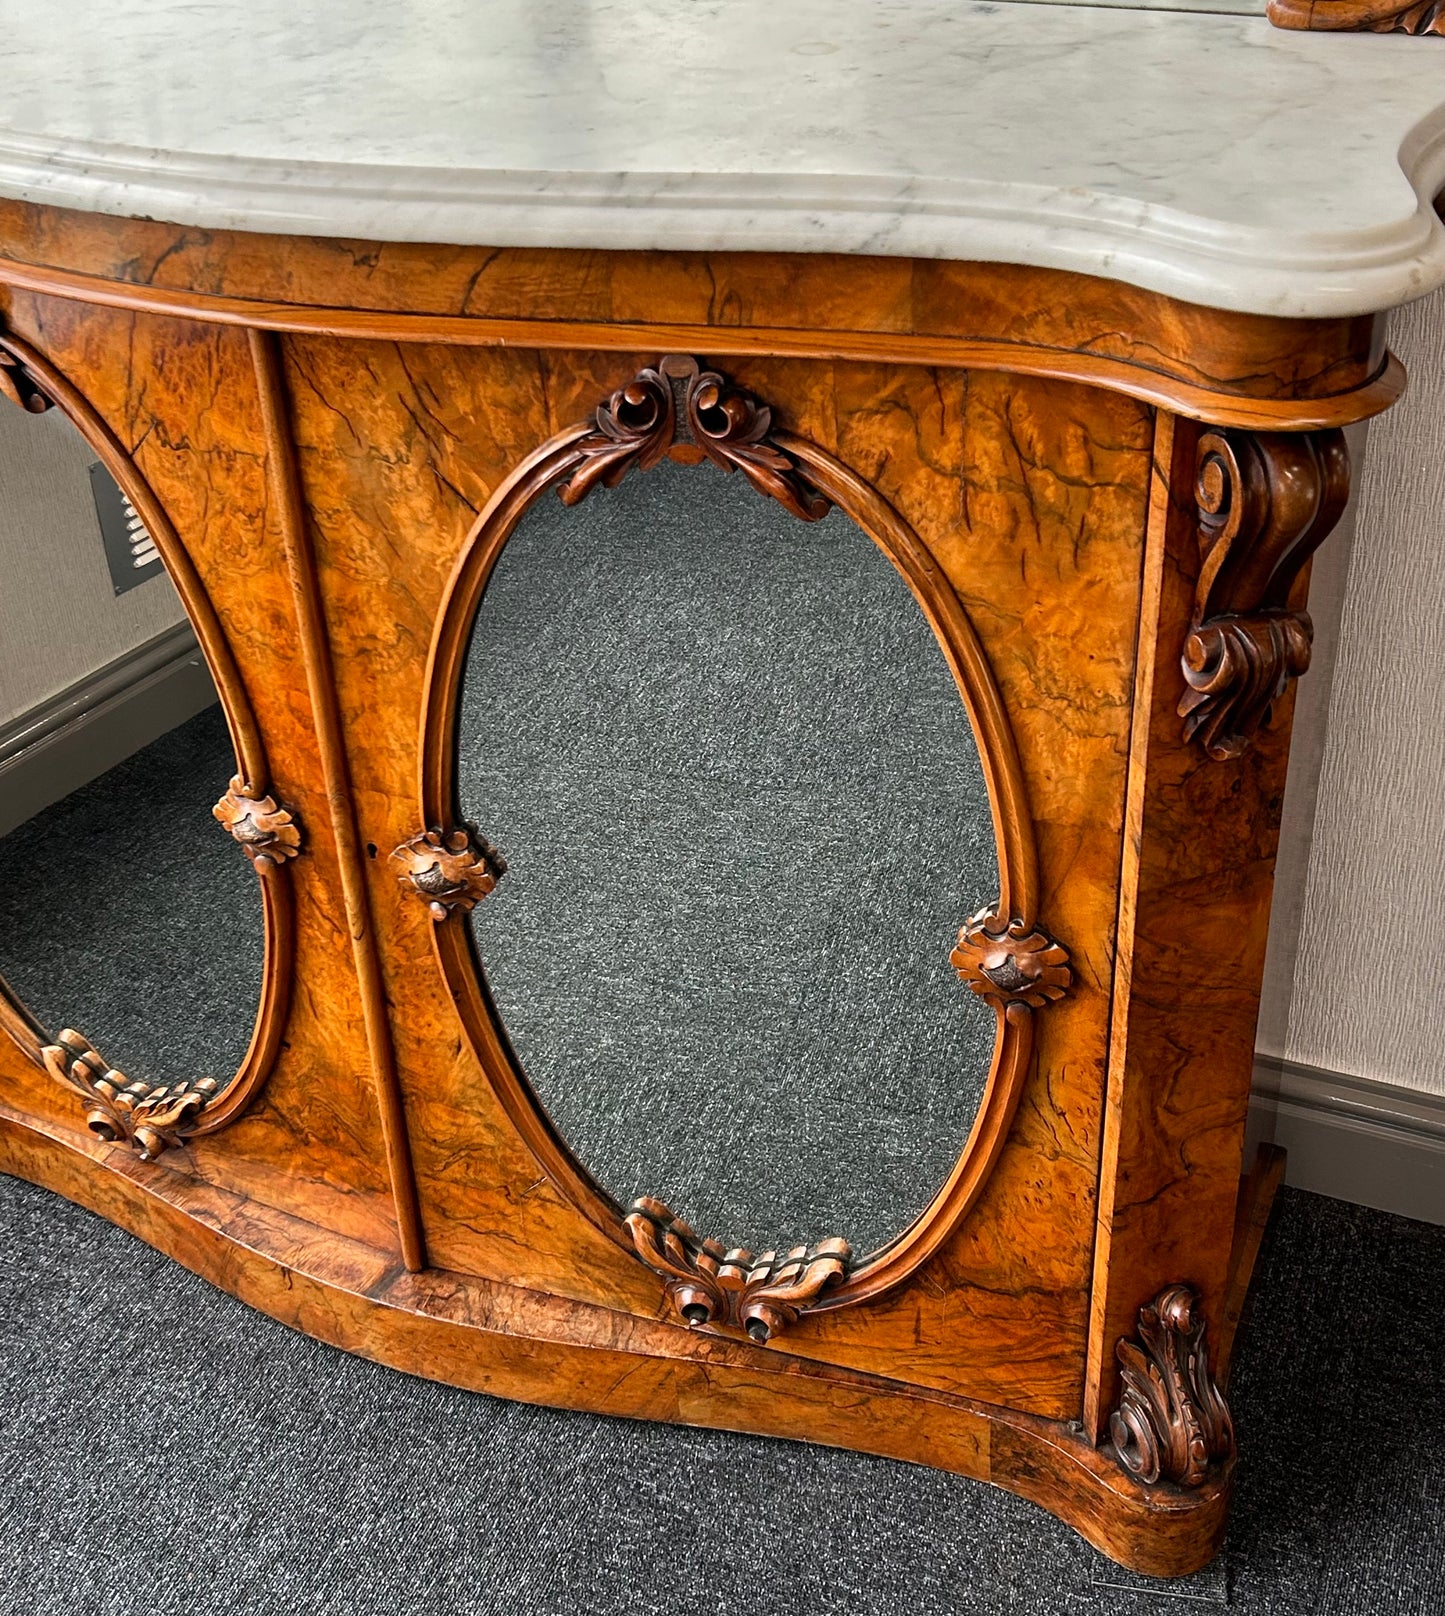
<point>126,912</point>
<point>743,814</point>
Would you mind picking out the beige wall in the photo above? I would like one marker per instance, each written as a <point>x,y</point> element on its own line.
<point>1357,966</point>
<point>60,618</point>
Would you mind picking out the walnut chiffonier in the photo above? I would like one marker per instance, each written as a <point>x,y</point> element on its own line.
<point>1060,312</point>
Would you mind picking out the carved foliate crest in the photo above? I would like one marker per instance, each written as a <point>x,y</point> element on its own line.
<point>1010,962</point>
<point>674,403</point>
<point>449,871</point>
<point>712,1287</point>
<point>149,1117</point>
<point>267,832</point>
<point>1172,1422</point>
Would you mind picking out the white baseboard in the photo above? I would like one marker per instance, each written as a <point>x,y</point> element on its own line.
<point>100,721</point>
<point>1375,1144</point>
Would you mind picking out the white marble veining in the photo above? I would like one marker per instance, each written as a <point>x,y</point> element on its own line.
<point>1205,155</point>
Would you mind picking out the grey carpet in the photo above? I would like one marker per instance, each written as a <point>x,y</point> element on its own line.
<point>744,817</point>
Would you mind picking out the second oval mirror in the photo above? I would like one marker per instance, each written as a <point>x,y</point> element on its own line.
<point>743,814</point>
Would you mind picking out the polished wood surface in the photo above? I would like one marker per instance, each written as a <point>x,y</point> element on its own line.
<point>338,439</point>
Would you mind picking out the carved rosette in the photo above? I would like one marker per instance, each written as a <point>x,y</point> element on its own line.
<point>449,871</point>
<point>149,1117</point>
<point>1010,963</point>
<point>714,1288</point>
<point>20,387</point>
<point>677,403</point>
<point>268,833</point>
<point>1172,1423</point>
<point>1361,16</point>
<point>1265,501</point>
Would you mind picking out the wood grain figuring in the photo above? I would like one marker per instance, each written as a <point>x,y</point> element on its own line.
<point>334,441</point>
<point>1360,16</point>
<point>1227,369</point>
<point>316,652</point>
<point>1193,919</point>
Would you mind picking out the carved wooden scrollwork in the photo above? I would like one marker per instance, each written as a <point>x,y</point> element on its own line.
<point>448,870</point>
<point>18,383</point>
<point>1361,16</point>
<point>1010,962</point>
<point>713,1288</point>
<point>1265,501</point>
<point>678,403</point>
<point>149,1117</point>
<point>268,833</point>
<point>1172,1422</point>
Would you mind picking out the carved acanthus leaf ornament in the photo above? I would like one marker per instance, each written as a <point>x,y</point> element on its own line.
<point>448,870</point>
<point>1172,1423</point>
<point>1265,501</point>
<point>677,403</point>
<point>713,1287</point>
<point>267,832</point>
<point>1010,962</point>
<point>149,1117</point>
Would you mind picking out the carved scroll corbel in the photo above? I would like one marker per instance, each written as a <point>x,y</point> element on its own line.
<point>149,1117</point>
<point>678,408</point>
<point>712,1287</point>
<point>449,871</point>
<point>1265,501</point>
<point>1172,1422</point>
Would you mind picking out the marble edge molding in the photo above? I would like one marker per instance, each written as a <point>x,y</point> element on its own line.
<point>1306,275</point>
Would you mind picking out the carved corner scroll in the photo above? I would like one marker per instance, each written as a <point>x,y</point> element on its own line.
<point>714,1288</point>
<point>1172,1422</point>
<point>1361,16</point>
<point>448,870</point>
<point>1265,501</point>
<point>268,833</point>
<point>677,403</point>
<point>149,1117</point>
<point>1010,962</point>
<point>18,383</point>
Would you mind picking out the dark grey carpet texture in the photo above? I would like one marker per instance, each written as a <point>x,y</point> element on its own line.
<point>744,816</point>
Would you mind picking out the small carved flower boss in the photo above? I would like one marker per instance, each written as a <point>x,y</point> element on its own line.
<point>1010,962</point>
<point>267,832</point>
<point>448,870</point>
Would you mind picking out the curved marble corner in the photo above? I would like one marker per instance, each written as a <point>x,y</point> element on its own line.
<point>1207,156</point>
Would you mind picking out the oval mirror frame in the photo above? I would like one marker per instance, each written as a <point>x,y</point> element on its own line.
<point>679,410</point>
<point>153,1117</point>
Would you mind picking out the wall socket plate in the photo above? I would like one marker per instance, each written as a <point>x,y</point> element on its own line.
<point>130,551</point>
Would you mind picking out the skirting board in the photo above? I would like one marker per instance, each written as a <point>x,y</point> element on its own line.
<point>1375,1144</point>
<point>98,722</point>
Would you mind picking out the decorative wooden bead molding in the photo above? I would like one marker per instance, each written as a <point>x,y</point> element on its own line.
<point>1265,501</point>
<point>1361,16</point>
<point>18,384</point>
<point>268,833</point>
<point>1010,963</point>
<point>449,871</point>
<point>713,1288</point>
<point>676,407</point>
<point>1172,1423</point>
<point>149,1117</point>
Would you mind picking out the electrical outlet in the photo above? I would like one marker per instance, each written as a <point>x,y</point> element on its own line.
<point>130,551</point>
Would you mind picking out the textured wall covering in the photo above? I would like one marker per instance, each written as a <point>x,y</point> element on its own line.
<point>1369,968</point>
<point>60,619</point>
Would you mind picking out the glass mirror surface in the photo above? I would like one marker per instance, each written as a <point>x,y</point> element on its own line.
<point>744,817</point>
<point>126,912</point>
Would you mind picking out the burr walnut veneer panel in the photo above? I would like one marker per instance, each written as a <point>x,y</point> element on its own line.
<point>1105,502</point>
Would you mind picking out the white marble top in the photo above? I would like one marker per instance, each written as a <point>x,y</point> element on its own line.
<point>1206,155</point>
